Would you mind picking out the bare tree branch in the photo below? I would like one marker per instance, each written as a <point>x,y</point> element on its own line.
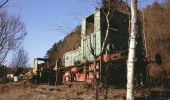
<point>5,2</point>
<point>20,58</point>
<point>12,32</point>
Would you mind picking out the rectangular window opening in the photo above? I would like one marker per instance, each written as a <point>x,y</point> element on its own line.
<point>90,24</point>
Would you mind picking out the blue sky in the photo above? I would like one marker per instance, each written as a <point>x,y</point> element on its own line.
<point>42,17</point>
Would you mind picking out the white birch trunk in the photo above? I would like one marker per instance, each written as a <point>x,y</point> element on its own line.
<point>131,55</point>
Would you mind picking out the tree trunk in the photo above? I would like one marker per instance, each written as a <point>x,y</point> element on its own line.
<point>131,55</point>
<point>95,80</point>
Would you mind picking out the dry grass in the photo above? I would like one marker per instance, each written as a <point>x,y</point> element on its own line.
<point>20,91</point>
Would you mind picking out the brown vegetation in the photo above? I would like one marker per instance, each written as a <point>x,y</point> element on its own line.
<point>70,42</point>
<point>156,23</point>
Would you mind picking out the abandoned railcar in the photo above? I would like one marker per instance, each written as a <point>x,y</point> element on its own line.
<point>78,63</point>
<point>152,64</point>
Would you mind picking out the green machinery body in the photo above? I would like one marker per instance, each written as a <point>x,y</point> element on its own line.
<point>42,73</point>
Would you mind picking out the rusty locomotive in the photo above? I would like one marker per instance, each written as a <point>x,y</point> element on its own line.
<point>91,61</point>
<point>111,63</point>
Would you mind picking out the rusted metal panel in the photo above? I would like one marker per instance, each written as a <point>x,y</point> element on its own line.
<point>35,67</point>
<point>80,77</point>
<point>72,57</point>
<point>83,27</point>
<point>91,42</point>
<point>97,29</point>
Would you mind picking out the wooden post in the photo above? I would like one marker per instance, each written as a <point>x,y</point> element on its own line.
<point>85,71</point>
<point>100,68</point>
<point>131,54</point>
<point>95,80</point>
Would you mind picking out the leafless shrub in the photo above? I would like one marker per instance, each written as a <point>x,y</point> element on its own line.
<point>12,32</point>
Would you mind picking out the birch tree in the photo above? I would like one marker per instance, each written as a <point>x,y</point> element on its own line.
<point>131,54</point>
